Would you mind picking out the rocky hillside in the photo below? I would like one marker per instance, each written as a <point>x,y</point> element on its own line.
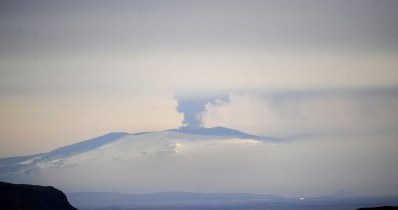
<point>32,197</point>
<point>381,208</point>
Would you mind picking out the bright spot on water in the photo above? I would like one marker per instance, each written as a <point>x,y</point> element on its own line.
<point>301,199</point>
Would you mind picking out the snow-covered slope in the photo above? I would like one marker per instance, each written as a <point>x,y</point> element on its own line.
<point>124,156</point>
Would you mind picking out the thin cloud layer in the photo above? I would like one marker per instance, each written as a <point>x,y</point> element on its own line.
<point>129,25</point>
<point>298,113</point>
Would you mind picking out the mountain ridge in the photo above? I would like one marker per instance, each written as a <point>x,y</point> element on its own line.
<point>121,151</point>
<point>221,131</point>
<point>86,145</point>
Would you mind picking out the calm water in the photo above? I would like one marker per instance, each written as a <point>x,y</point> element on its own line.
<point>287,204</point>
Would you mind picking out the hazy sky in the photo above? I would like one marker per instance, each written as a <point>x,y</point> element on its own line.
<point>73,70</point>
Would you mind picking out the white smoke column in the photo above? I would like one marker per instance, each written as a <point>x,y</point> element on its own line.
<point>192,107</point>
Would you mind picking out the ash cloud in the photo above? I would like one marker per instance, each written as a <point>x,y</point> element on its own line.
<point>192,107</point>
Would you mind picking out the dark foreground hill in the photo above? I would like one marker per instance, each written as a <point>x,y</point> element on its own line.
<point>32,197</point>
<point>381,208</point>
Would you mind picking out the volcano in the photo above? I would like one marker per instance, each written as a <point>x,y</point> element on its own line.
<point>123,160</point>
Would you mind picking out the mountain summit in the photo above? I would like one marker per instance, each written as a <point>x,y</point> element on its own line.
<point>221,131</point>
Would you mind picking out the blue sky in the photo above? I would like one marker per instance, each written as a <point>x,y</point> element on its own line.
<point>73,70</point>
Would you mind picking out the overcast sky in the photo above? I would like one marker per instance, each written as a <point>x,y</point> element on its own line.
<point>73,70</point>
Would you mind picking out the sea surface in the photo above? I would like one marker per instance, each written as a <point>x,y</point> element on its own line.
<point>84,201</point>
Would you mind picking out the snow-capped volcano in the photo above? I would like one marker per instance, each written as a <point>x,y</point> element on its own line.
<point>125,156</point>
